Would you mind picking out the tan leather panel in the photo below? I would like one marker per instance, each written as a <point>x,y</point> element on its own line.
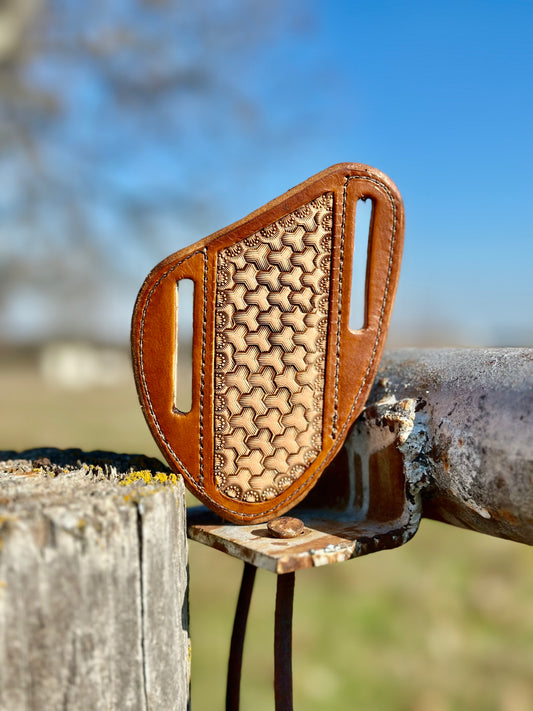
<point>272,312</point>
<point>278,375</point>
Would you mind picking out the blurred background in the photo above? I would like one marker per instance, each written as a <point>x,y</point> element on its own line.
<point>132,128</point>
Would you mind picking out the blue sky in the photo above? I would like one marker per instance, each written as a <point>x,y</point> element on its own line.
<point>437,95</point>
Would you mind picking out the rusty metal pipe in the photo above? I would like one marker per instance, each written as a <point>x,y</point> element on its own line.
<point>469,441</point>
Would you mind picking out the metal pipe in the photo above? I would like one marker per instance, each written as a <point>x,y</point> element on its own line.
<point>468,436</point>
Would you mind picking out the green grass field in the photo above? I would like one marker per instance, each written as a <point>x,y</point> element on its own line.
<point>443,624</point>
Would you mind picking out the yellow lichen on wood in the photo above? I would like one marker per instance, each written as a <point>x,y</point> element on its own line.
<point>149,477</point>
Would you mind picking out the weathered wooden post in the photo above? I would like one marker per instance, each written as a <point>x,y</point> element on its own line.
<point>93,583</point>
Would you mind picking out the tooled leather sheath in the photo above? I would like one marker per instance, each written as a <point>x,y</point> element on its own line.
<point>278,376</point>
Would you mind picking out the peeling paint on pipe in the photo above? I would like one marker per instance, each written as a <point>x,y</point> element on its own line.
<point>471,439</point>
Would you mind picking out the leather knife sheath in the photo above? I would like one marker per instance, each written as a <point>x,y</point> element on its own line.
<point>278,376</point>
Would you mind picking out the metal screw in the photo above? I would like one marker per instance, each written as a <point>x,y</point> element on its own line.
<point>285,527</point>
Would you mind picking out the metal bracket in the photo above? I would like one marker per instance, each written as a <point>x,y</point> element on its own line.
<point>358,507</point>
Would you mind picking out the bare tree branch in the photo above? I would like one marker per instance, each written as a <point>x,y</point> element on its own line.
<point>102,107</point>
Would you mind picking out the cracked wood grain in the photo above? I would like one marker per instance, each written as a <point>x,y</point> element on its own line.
<point>93,583</point>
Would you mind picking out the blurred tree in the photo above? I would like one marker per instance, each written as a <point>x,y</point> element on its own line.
<point>111,111</point>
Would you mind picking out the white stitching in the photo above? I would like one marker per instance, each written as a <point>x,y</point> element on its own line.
<point>387,283</point>
<point>339,312</point>
<point>202,375</point>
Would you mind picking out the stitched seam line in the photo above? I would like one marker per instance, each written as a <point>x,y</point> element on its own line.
<point>386,292</point>
<point>371,361</point>
<point>339,312</point>
<point>202,375</point>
